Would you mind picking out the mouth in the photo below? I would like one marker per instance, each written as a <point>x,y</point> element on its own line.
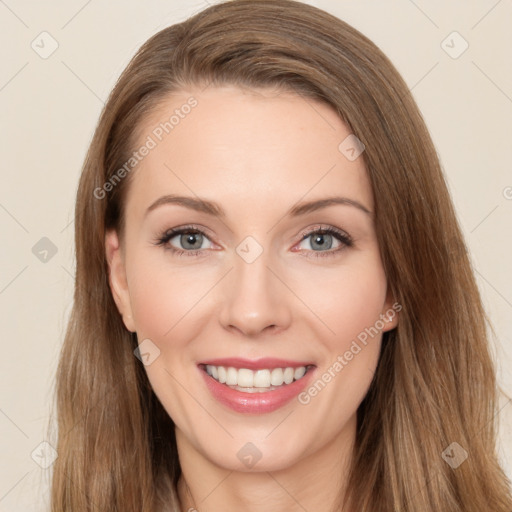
<point>255,386</point>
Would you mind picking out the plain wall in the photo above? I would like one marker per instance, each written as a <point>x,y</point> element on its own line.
<point>50,107</point>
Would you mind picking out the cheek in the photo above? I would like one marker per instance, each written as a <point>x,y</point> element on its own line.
<point>352,303</point>
<point>347,300</point>
<point>164,296</point>
<point>166,304</point>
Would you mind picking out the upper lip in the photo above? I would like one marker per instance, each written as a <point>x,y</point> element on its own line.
<point>256,364</point>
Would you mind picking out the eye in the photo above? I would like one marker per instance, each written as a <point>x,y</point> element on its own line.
<point>189,241</point>
<point>323,239</point>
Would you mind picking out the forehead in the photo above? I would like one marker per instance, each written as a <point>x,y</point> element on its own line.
<point>242,147</point>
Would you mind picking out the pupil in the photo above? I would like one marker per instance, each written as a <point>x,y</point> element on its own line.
<point>319,239</point>
<point>192,239</point>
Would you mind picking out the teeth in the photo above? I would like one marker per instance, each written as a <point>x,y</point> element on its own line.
<point>231,377</point>
<point>299,372</point>
<point>288,375</point>
<point>261,379</point>
<point>276,377</point>
<point>251,381</point>
<point>245,378</point>
<point>221,371</point>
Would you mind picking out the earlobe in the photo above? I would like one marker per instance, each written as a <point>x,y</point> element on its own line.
<point>117,278</point>
<point>390,313</point>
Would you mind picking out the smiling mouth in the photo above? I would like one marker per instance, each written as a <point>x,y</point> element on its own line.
<point>255,381</point>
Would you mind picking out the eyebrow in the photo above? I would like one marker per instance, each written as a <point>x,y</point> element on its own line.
<point>212,208</point>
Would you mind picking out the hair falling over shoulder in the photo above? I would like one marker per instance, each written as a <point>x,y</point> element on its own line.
<point>435,383</point>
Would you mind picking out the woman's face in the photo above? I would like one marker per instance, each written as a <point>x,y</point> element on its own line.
<point>253,287</point>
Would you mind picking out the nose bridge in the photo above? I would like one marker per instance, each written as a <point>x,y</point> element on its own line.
<point>254,298</point>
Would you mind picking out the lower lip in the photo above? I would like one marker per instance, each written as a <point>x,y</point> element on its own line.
<point>259,402</point>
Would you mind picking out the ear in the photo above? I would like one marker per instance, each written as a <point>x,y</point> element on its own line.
<point>389,314</point>
<point>117,278</point>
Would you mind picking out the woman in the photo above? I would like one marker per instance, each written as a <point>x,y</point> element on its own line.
<point>321,345</point>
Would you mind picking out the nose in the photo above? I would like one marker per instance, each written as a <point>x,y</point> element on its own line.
<point>255,299</point>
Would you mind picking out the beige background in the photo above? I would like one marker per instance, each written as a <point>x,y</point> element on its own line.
<point>50,106</point>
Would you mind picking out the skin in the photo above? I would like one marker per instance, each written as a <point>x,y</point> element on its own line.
<point>256,153</point>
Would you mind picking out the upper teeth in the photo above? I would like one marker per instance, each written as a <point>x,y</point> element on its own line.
<point>246,378</point>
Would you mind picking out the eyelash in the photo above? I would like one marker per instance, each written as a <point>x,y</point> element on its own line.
<point>341,236</point>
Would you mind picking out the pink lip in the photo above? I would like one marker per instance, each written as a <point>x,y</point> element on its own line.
<point>255,403</point>
<point>255,364</point>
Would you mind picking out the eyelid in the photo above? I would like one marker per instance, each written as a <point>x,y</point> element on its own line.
<point>186,228</point>
<point>322,227</point>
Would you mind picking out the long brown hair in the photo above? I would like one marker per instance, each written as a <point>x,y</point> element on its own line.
<point>435,382</point>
